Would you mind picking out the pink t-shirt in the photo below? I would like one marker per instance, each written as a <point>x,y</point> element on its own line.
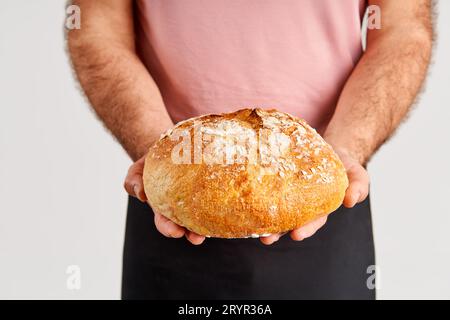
<point>213,56</point>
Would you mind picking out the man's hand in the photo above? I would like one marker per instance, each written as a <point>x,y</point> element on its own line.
<point>135,187</point>
<point>357,191</point>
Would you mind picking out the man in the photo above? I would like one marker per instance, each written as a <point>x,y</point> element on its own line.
<point>147,64</point>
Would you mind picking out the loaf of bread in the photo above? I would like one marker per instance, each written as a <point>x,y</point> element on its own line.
<point>249,173</point>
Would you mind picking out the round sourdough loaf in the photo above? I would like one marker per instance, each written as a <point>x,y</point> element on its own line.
<point>249,173</point>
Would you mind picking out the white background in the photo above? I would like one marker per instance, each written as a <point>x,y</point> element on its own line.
<point>61,196</point>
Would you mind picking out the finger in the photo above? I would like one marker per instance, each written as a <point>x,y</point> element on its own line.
<point>133,182</point>
<point>135,188</point>
<point>140,192</point>
<point>308,230</point>
<point>129,184</point>
<point>194,238</point>
<point>167,227</point>
<point>270,239</point>
<point>358,188</point>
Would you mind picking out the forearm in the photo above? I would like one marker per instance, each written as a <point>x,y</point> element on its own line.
<point>380,91</point>
<point>119,88</point>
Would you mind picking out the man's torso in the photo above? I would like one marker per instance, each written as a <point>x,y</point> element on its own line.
<point>216,56</point>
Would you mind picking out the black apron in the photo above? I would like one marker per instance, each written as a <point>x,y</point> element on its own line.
<point>335,263</point>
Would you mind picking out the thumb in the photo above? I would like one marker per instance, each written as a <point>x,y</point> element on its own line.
<point>358,187</point>
<point>133,182</point>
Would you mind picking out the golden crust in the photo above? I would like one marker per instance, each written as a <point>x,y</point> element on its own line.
<point>256,172</point>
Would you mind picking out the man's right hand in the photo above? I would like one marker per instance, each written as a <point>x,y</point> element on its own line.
<point>135,187</point>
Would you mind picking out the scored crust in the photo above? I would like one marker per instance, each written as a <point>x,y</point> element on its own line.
<point>249,173</point>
